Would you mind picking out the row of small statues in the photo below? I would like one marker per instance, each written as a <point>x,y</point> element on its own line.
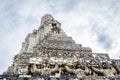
<point>77,67</point>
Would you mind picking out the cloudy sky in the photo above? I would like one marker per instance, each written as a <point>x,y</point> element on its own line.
<point>93,23</point>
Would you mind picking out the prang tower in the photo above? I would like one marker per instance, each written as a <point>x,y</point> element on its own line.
<point>48,50</point>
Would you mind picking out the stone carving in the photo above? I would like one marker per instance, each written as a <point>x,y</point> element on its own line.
<point>46,19</point>
<point>50,51</point>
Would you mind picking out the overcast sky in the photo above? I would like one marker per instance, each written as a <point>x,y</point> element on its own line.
<point>92,23</point>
